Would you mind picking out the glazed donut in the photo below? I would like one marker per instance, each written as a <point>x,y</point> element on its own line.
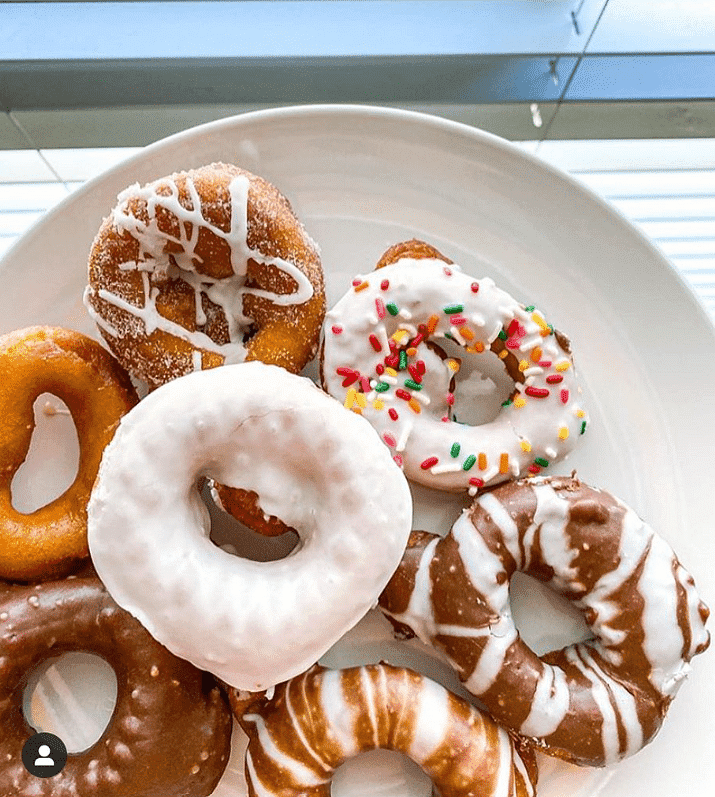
<point>592,703</point>
<point>380,357</point>
<point>170,732</point>
<point>202,268</point>
<point>52,541</point>
<point>318,720</point>
<point>320,469</point>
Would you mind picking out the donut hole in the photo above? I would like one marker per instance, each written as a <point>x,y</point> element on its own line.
<point>72,696</point>
<point>545,620</point>
<point>482,385</point>
<point>238,539</point>
<point>52,460</point>
<point>380,772</point>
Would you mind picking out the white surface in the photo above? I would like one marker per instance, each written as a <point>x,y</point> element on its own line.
<point>362,179</point>
<point>655,25</point>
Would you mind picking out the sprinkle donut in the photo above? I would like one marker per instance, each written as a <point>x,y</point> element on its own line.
<point>320,469</point>
<point>170,732</point>
<point>202,268</point>
<point>382,358</point>
<point>315,722</point>
<point>592,703</point>
<point>52,541</point>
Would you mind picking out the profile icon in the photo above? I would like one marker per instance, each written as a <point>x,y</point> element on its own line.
<point>44,759</point>
<point>44,755</point>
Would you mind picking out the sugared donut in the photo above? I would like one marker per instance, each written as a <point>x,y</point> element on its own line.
<point>315,722</point>
<point>170,732</point>
<point>591,703</point>
<point>320,469</point>
<point>201,268</point>
<point>382,359</point>
<point>51,541</point>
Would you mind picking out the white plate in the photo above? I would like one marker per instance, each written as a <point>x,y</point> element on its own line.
<point>363,178</point>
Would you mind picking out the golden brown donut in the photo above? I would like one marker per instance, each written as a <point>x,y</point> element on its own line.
<point>592,703</point>
<point>204,267</point>
<point>245,507</point>
<point>415,249</point>
<point>52,540</point>
<point>170,732</point>
<point>316,721</point>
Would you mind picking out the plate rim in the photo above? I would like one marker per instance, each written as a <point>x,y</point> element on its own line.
<point>432,121</point>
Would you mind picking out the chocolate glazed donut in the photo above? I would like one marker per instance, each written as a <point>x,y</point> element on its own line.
<point>592,703</point>
<point>170,731</point>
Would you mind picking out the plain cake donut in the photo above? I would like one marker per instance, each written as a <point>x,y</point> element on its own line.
<point>592,703</point>
<point>320,469</point>
<point>52,540</point>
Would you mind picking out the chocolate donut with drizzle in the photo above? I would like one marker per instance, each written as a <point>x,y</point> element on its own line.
<point>201,268</point>
<point>592,703</point>
<point>382,357</point>
<point>318,720</point>
<point>170,732</point>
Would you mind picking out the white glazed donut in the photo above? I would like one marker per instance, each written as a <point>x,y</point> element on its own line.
<point>380,359</point>
<point>318,468</point>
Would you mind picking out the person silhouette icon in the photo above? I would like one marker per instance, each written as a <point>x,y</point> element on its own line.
<point>44,760</point>
<point>44,755</point>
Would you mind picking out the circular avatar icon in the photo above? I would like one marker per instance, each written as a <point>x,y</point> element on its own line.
<point>44,755</point>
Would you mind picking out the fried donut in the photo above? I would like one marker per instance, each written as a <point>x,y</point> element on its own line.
<point>170,732</point>
<point>318,720</point>
<point>380,357</point>
<point>52,541</point>
<point>320,469</point>
<point>202,268</point>
<point>592,703</point>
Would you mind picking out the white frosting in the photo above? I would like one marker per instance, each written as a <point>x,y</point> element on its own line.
<point>155,259</point>
<point>550,704</point>
<point>544,422</point>
<point>318,467</point>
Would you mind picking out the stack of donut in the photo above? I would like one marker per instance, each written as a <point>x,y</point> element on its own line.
<point>210,267</point>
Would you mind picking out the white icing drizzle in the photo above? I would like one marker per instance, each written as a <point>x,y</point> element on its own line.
<point>599,693</point>
<point>337,713</point>
<point>299,771</point>
<point>154,259</point>
<point>549,703</point>
<point>551,517</point>
<point>419,613</point>
<point>482,568</point>
<point>663,635</point>
<point>256,783</point>
<point>370,703</point>
<point>379,706</point>
<point>625,704</point>
<point>505,775</point>
<point>431,718</point>
<point>322,763</point>
<point>504,522</point>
